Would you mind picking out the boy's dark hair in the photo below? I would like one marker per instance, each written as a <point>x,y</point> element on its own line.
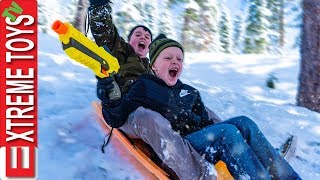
<point>143,27</point>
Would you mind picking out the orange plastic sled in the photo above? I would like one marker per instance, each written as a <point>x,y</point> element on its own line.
<point>139,159</point>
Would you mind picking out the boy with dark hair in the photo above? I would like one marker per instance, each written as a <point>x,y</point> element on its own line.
<point>131,56</point>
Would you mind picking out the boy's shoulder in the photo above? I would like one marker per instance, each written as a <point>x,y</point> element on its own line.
<point>182,85</point>
<point>146,78</point>
<point>151,80</point>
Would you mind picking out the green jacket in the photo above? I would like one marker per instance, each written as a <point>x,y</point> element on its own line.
<point>105,33</point>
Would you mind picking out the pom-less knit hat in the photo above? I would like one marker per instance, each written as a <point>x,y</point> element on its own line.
<point>159,44</point>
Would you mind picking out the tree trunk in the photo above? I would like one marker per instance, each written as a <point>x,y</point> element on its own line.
<point>309,80</point>
<point>81,15</point>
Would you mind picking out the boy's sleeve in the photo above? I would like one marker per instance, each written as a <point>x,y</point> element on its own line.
<point>200,110</point>
<point>117,113</point>
<point>103,29</point>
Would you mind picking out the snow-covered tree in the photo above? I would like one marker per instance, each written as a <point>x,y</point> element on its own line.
<point>191,31</point>
<point>208,25</point>
<point>256,35</point>
<point>294,9</point>
<point>71,10</point>
<point>43,24</point>
<point>149,12</point>
<point>47,15</point>
<point>165,21</point>
<point>177,1</point>
<point>126,16</point>
<point>238,33</point>
<point>225,30</point>
<point>276,24</point>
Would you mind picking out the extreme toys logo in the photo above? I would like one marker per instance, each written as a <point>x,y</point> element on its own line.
<point>18,89</point>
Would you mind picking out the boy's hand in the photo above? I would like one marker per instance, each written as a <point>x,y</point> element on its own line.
<point>104,86</point>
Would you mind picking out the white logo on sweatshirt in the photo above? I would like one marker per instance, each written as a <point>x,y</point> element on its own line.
<point>183,93</point>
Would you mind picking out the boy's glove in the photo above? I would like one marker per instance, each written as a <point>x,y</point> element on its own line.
<point>104,86</point>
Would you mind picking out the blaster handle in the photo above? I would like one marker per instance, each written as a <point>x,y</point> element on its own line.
<point>115,93</point>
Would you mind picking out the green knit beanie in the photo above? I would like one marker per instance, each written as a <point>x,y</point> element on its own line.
<point>159,44</point>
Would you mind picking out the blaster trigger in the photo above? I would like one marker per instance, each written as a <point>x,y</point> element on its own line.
<point>104,71</point>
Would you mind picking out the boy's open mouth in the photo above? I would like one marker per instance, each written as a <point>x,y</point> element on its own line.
<point>173,72</point>
<point>141,45</point>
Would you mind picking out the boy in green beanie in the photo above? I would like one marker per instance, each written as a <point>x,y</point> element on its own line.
<point>237,141</point>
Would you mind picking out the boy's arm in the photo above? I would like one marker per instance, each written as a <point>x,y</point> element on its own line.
<point>117,113</point>
<point>103,29</point>
<point>200,110</point>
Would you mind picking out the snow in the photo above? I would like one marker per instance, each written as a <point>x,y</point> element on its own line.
<point>230,85</point>
<point>168,149</point>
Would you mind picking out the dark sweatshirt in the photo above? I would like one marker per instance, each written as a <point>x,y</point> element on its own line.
<point>181,104</point>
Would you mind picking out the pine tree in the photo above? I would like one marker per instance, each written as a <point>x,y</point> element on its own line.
<point>256,37</point>
<point>225,31</point>
<point>238,31</point>
<point>282,23</point>
<point>165,21</point>
<point>126,16</point>
<point>276,24</point>
<point>178,1</point>
<point>149,13</point>
<point>208,25</point>
<point>43,18</point>
<point>191,31</point>
<point>294,9</point>
<point>71,11</point>
<point>47,15</point>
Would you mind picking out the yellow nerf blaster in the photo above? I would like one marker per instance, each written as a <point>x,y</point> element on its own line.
<point>81,49</point>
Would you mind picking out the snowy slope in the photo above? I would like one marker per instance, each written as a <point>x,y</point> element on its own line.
<point>69,140</point>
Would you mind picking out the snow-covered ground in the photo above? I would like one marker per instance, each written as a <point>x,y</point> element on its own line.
<point>230,85</point>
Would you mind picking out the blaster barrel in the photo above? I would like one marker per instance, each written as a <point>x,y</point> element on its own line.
<point>59,27</point>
